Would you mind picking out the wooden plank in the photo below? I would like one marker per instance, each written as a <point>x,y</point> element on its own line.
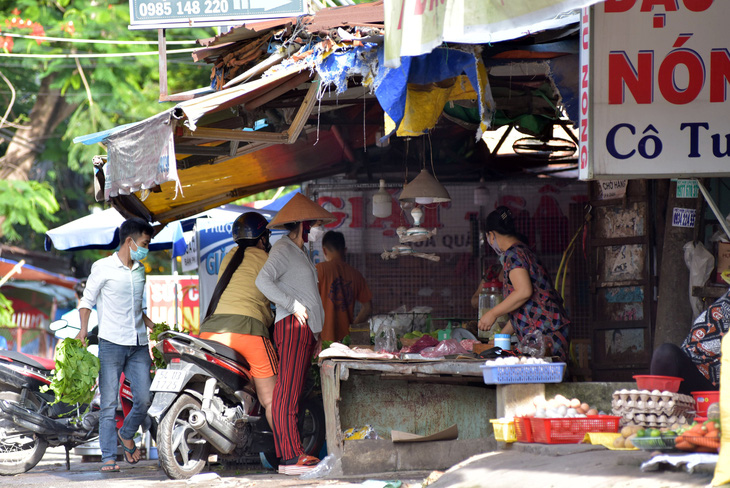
<point>234,135</point>
<point>303,113</point>
<point>330,377</point>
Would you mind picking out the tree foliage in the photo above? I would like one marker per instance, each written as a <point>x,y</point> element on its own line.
<point>98,93</point>
<point>26,203</point>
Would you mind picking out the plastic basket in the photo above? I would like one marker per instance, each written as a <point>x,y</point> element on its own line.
<point>664,443</point>
<point>661,383</point>
<point>504,430</point>
<point>504,374</point>
<point>571,430</point>
<point>523,429</point>
<point>703,400</point>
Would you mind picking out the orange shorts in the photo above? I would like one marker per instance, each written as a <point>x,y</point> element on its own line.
<point>258,351</point>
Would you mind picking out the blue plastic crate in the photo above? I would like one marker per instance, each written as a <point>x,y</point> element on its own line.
<point>505,374</point>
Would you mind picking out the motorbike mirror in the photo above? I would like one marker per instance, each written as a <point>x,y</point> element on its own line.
<point>57,325</point>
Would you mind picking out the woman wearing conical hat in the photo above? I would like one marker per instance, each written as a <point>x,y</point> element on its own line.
<point>289,279</point>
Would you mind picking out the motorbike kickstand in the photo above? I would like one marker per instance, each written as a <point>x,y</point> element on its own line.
<point>68,456</point>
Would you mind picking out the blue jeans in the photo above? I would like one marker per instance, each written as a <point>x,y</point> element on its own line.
<point>134,362</point>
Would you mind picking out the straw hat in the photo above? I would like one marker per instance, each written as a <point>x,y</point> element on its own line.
<point>299,209</point>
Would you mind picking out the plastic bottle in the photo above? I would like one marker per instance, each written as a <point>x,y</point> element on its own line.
<point>445,333</point>
<point>489,297</point>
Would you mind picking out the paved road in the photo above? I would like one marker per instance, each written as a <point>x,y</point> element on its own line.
<point>536,465</point>
<point>51,473</point>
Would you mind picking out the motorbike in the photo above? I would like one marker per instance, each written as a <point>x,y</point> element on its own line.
<point>205,404</point>
<point>29,420</point>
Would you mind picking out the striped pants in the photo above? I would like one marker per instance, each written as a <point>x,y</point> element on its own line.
<point>295,343</point>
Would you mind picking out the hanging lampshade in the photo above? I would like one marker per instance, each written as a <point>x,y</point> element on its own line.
<point>424,189</point>
<point>382,202</point>
<point>481,194</point>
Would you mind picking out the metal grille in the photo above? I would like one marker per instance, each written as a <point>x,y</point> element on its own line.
<point>548,213</point>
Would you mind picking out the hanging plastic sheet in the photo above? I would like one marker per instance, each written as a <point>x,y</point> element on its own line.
<point>417,81</point>
<point>415,27</point>
<point>141,157</point>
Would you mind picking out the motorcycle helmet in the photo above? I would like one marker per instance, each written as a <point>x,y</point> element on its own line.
<point>249,226</point>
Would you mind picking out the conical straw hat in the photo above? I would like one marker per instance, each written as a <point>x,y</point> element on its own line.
<point>299,209</point>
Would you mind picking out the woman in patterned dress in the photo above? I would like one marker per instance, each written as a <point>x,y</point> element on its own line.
<point>530,299</point>
<point>697,362</point>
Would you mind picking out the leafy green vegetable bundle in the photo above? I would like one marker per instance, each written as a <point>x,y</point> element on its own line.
<point>159,361</point>
<point>74,379</point>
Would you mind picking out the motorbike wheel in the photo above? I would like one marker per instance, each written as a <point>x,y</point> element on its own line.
<point>19,452</point>
<point>182,451</point>
<point>312,431</point>
<point>311,424</point>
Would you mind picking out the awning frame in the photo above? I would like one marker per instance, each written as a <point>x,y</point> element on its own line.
<point>289,136</point>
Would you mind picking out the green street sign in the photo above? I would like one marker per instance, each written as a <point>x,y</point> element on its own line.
<point>155,14</point>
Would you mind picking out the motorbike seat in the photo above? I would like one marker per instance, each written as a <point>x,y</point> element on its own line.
<point>227,352</point>
<point>30,360</point>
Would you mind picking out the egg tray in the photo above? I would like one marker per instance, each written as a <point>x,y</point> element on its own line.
<point>655,424</point>
<point>674,411</point>
<point>666,403</point>
<point>646,395</point>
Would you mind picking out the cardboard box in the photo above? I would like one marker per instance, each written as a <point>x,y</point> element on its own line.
<point>723,260</point>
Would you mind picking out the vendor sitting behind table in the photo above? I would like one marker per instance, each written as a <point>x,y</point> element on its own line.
<point>697,362</point>
<point>530,299</point>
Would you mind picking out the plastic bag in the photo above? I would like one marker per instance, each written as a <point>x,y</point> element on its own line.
<point>700,263</point>
<point>401,320</point>
<point>420,345</point>
<point>386,341</point>
<point>445,348</point>
<point>322,469</point>
<point>533,344</point>
<point>357,433</point>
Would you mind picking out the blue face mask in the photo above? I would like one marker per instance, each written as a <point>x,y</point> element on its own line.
<point>139,254</point>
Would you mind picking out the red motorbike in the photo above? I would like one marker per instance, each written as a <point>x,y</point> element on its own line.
<point>29,423</point>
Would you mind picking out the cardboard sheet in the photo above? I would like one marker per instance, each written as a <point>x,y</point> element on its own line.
<point>445,435</point>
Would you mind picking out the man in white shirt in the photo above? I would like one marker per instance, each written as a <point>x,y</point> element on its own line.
<point>116,287</point>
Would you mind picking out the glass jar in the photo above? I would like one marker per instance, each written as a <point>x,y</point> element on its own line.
<point>489,297</point>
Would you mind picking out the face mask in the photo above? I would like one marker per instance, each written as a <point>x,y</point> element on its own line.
<point>315,233</point>
<point>139,254</point>
<point>495,246</point>
<point>306,227</point>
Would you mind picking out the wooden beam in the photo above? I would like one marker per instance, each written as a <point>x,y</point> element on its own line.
<point>234,135</point>
<point>287,137</point>
<point>227,196</point>
<point>222,150</point>
<point>252,105</point>
<point>303,113</point>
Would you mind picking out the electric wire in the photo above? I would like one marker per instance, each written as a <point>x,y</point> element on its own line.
<point>91,41</point>
<point>84,55</point>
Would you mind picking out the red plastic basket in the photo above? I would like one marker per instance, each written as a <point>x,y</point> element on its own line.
<point>703,400</point>
<point>571,431</point>
<point>523,429</point>
<point>661,383</point>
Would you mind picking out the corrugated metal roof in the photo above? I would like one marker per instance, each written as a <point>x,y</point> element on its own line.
<point>326,19</point>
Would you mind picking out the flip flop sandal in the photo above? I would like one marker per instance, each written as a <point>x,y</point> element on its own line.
<point>305,460</point>
<point>128,450</point>
<point>109,467</point>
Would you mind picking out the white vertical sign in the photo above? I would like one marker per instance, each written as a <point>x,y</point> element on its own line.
<point>654,80</point>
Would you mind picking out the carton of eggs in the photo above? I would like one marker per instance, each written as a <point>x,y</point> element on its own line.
<point>652,408</point>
